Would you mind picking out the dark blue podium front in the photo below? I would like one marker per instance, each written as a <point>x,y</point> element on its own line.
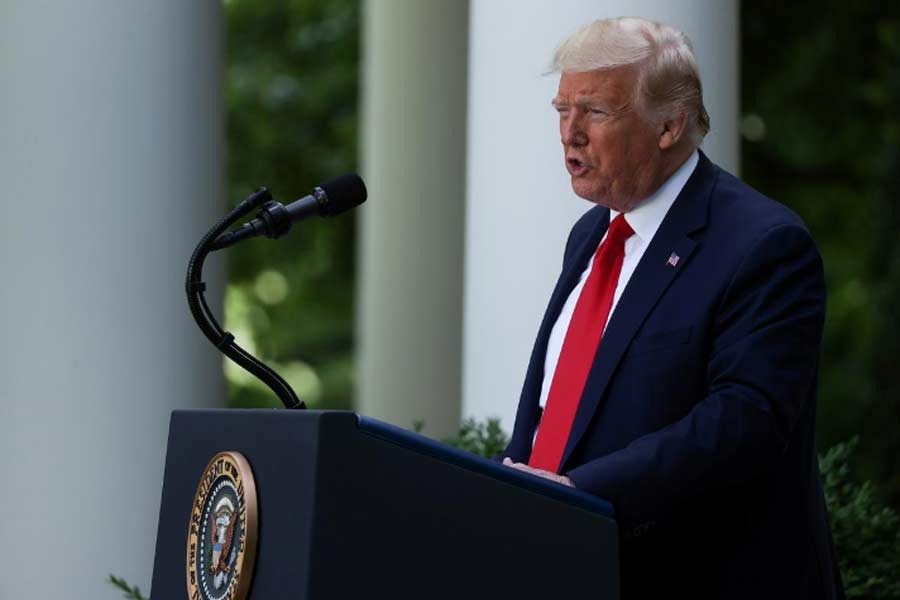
<point>352,507</point>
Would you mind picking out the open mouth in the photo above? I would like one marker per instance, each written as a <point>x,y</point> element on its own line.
<point>576,165</point>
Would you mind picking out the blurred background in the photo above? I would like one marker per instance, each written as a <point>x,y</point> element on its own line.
<point>127,129</point>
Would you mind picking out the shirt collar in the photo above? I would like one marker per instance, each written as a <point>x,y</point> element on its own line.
<point>647,216</point>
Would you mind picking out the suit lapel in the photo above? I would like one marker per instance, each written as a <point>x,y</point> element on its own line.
<point>528,412</point>
<point>649,281</point>
<point>570,276</point>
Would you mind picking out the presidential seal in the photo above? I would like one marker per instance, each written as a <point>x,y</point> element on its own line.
<point>221,547</point>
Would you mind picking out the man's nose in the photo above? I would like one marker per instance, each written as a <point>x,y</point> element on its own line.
<point>572,131</point>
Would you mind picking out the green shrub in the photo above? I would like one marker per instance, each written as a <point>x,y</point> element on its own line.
<point>484,439</point>
<point>866,532</point>
<point>128,591</point>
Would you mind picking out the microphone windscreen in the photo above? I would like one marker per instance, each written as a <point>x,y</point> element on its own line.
<point>344,192</point>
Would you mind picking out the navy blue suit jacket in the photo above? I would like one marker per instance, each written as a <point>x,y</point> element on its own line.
<point>697,418</point>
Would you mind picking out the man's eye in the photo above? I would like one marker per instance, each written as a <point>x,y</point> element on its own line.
<point>597,111</point>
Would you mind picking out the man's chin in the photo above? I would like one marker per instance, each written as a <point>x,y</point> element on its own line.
<point>587,192</point>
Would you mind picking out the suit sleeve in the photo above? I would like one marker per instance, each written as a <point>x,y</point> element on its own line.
<point>763,362</point>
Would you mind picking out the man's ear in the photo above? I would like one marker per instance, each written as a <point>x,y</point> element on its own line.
<point>671,131</point>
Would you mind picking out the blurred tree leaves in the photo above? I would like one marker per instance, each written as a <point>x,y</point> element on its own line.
<point>820,92</point>
<point>291,99</point>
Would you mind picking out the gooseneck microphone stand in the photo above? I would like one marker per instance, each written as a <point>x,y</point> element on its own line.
<point>221,339</point>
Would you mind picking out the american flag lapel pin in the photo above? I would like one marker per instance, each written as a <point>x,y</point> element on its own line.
<point>673,260</point>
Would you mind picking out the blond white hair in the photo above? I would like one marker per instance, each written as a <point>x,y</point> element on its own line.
<point>668,82</point>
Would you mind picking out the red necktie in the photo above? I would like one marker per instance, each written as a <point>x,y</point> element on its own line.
<point>579,348</point>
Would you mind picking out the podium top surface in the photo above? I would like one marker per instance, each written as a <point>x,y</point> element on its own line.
<point>478,464</point>
<point>422,445</point>
<point>449,454</point>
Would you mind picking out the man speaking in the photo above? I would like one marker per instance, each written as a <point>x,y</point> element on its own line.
<point>675,370</point>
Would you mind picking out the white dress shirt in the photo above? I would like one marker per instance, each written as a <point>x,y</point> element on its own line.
<point>644,219</point>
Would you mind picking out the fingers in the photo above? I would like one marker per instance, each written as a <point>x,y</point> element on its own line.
<point>527,469</point>
<point>539,472</point>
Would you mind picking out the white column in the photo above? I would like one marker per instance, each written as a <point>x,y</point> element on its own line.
<point>111,165</point>
<point>520,206</point>
<point>411,250</point>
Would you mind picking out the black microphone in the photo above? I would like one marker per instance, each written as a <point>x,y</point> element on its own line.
<point>275,219</point>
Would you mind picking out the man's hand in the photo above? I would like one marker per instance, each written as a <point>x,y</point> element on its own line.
<point>539,472</point>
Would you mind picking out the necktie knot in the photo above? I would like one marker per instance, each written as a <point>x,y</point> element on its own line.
<point>619,230</point>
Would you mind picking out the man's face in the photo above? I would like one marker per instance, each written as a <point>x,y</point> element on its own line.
<point>611,152</point>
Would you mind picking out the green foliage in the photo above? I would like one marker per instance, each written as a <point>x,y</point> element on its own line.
<point>482,438</point>
<point>291,100</point>
<point>820,91</point>
<point>132,593</point>
<point>866,533</point>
